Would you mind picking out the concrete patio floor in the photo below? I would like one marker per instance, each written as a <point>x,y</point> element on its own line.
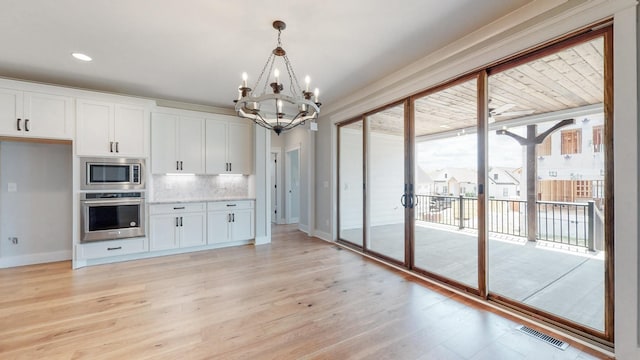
<point>565,282</point>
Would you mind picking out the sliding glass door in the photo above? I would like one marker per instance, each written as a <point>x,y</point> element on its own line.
<point>497,183</point>
<point>445,178</point>
<point>386,199</point>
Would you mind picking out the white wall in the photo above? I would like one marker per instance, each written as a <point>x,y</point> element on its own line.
<point>533,24</point>
<point>350,187</point>
<point>39,211</point>
<point>385,179</point>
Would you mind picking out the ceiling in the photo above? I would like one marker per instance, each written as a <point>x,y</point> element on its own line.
<point>195,51</point>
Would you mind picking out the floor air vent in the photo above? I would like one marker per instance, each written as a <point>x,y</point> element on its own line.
<point>546,338</point>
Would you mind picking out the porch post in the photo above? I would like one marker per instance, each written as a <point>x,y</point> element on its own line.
<point>531,183</point>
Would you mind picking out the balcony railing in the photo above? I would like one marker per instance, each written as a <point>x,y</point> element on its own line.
<point>558,222</point>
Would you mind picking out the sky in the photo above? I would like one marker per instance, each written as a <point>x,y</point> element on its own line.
<point>460,152</point>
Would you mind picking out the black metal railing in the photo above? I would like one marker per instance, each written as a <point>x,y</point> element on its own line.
<point>558,222</point>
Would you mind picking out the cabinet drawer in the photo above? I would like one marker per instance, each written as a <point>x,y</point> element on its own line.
<point>176,208</point>
<point>230,205</point>
<point>112,248</point>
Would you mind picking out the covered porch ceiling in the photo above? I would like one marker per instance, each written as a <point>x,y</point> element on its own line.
<point>569,79</point>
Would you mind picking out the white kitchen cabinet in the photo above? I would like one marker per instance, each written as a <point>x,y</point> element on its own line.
<point>230,221</point>
<point>108,129</point>
<point>177,144</point>
<point>103,249</point>
<point>36,115</point>
<point>229,146</point>
<point>177,225</point>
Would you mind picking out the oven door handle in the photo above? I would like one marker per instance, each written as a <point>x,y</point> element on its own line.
<point>113,202</point>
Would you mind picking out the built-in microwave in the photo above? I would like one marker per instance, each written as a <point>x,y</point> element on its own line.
<point>112,174</point>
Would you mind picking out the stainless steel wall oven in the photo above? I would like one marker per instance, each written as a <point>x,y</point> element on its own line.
<point>112,215</point>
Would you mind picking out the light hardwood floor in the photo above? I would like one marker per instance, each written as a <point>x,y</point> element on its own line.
<point>297,298</point>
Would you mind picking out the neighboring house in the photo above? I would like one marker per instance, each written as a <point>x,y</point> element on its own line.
<point>454,182</point>
<point>504,183</point>
<point>570,162</point>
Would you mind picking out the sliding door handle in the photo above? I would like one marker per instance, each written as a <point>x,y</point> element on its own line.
<point>403,200</point>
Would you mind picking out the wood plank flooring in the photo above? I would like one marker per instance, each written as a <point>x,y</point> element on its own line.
<point>297,298</point>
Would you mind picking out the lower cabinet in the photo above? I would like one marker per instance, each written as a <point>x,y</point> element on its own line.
<point>230,221</point>
<point>103,249</point>
<point>173,226</point>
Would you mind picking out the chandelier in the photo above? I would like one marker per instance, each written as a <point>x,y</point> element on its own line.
<point>278,110</point>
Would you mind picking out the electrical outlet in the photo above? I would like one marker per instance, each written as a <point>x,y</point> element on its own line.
<point>12,187</point>
<point>14,240</point>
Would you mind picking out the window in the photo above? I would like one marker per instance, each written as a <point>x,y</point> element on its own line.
<point>583,189</point>
<point>544,149</point>
<point>495,176</point>
<point>598,132</point>
<point>571,141</point>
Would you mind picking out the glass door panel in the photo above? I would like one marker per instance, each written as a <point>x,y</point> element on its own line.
<point>546,177</point>
<point>385,183</point>
<point>446,178</point>
<point>351,182</point>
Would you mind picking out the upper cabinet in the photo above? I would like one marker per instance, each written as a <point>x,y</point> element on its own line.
<point>108,129</point>
<point>229,146</point>
<point>36,115</point>
<point>177,144</point>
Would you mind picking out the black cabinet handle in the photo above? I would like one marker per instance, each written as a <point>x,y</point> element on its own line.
<point>110,146</point>
<point>177,165</point>
<point>18,124</point>
<point>228,217</point>
<point>26,124</point>
<point>230,168</point>
<point>233,217</point>
<point>114,248</point>
<point>231,205</point>
<point>181,218</point>
<point>178,208</point>
<point>117,146</point>
<point>177,223</point>
<point>181,168</point>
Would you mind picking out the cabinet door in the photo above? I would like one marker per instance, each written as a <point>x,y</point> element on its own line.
<point>48,116</point>
<point>191,145</point>
<point>163,231</point>
<point>94,128</point>
<point>192,229</point>
<point>10,111</point>
<point>242,225</point>
<point>216,147</point>
<point>163,143</point>
<point>240,148</point>
<point>217,227</point>
<point>129,130</point>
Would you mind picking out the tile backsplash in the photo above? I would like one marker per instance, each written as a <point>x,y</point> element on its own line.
<point>199,187</point>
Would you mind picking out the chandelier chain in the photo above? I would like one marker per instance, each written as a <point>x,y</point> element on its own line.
<point>295,85</point>
<point>270,60</point>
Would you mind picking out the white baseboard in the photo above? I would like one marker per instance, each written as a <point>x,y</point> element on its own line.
<point>31,259</point>
<point>323,235</point>
<point>261,240</point>
<point>304,228</point>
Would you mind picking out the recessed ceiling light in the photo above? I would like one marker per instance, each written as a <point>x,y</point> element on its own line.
<point>81,56</point>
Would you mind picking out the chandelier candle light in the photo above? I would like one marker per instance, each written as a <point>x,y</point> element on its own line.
<point>281,111</point>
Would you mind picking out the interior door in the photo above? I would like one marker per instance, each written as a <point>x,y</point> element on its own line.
<point>293,185</point>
